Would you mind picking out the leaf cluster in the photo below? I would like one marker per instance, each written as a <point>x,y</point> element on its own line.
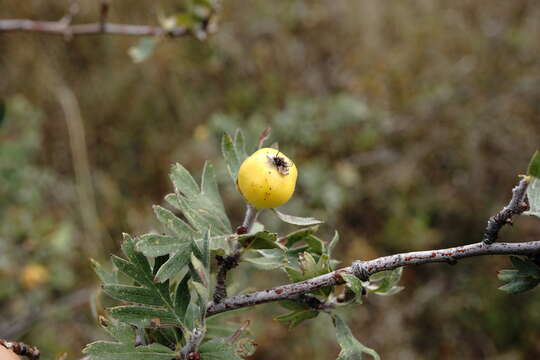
<point>165,280</point>
<point>525,276</point>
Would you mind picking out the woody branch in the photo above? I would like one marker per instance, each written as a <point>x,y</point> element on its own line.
<point>364,269</point>
<point>102,27</point>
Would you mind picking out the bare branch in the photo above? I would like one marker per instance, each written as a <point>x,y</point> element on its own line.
<point>368,268</point>
<point>61,28</point>
<point>515,207</point>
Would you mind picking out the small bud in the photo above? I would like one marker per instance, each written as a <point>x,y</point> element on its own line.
<point>194,356</point>
<point>241,230</point>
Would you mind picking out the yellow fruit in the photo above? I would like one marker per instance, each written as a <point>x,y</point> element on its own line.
<point>267,178</point>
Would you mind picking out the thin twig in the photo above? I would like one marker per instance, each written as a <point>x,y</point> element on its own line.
<point>368,268</point>
<point>190,350</point>
<point>19,348</point>
<point>249,219</point>
<point>516,206</point>
<point>60,28</point>
<point>103,12</point>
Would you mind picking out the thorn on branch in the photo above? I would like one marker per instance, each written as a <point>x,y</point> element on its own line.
<point>516,206</point>
<point>19,348</point>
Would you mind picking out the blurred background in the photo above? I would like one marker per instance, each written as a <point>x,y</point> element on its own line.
<point>409,122</point>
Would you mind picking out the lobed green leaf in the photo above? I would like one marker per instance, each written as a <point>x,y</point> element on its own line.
<point>134,294</point>
<point>142,316</point>
<point>105,350</point>
<point>351,348</point>
<point>355,285</point>
<point>182,297</point>
<point>520,284</point>
<point>259,240</point>
<point>534,165</point>
<point>234,152</point>
<point>526,267</point>
<point>267,259</point>
<point>183,181</point>
<point>218,350</point>
<point>297,220</point>
<point>174,224</point>
<point>533,195</point>
<point>106,277</point>
<point>153,245</point>
<point>121,332</point>
<point>295,318</point>
<point>330,247</point>
<point>174,265</point>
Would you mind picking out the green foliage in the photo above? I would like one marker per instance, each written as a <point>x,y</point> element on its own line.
<point>234,152</point>
<point>167,279</point>
<point>296,317</point>
<point>143,49</point>
<point>385,282</point>
<point>219,350</point>
<point>422,143</point>
<point>297,220</point>
<point>355,286</point>
<point>125,347</point>
<point>534,165</point>
<point>202,207</point>
<point>525,276</point>
<point>351,348</point>
<point>259,240</point>
<point>174,289</point>
<point>533,195</point>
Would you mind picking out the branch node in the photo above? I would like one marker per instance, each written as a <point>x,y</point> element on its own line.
<point>190,350</point>
<point>225,264</point>
<point>516,206</point>
<point>359,270</point>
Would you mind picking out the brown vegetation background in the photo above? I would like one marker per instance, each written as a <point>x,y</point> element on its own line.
<point>409,122</point>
